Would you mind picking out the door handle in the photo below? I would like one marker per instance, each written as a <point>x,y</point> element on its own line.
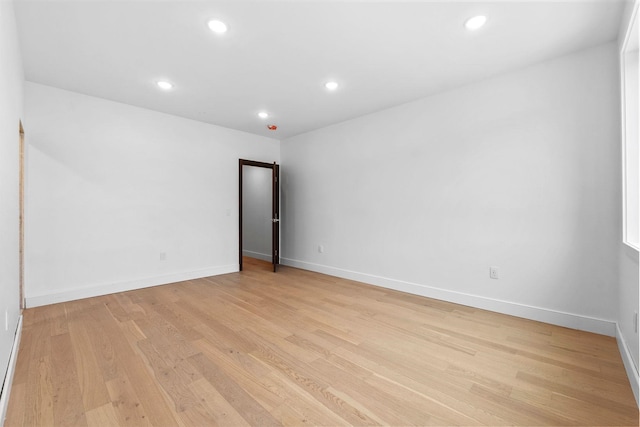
<point>275,220</point>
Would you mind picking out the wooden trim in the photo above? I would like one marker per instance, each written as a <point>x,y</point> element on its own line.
<point>21,214</point>
<point>275,209</point>
<point>257,164</point>
<point>240,164</point>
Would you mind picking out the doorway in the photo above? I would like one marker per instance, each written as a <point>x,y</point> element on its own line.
<point>259,212</point>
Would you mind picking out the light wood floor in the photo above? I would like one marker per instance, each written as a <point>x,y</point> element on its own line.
<point>299,348</point>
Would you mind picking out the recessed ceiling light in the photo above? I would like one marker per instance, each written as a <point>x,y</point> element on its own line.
<point>163,84</point>
<point>475,22</point>
<point>217,27</point>
<point>331,85</point>
<point>263,115</point>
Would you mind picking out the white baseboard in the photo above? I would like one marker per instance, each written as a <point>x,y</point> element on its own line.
<point>258,255</point>
<point>110,288</point>
<point>8,380</point>
<point>554,317</point>
<point>629,365</point>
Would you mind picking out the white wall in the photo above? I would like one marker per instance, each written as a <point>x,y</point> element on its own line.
<point>256,212</point>
<point>113,186</point>
<point>520,171</point>
<point>11,80</point>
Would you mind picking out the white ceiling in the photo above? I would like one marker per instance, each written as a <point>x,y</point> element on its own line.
<point>277,55</point>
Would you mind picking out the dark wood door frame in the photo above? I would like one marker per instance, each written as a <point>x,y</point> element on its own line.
<point>275,208</point>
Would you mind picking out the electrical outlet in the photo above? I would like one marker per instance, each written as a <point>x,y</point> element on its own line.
<point>163,256</point>
<point>321,249</point>
<point>494,272</point>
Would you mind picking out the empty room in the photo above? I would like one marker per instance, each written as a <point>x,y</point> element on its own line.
<point>322,213</point>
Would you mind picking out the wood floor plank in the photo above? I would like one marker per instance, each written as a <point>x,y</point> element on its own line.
<point>579,394</point>
<point>126,403</point>
<point>301,348</point>
<point>246,372</point>
<point>18,408</point>
<point>508,407</point>
<point>90,375</point>
<point>299,406</point>
<point>301,373</point>
<point>236,360</point>
<point>390,409</point>
<point>39,387</point>
<point>452,399</point>
<point>40,397</point>
<point>65,383</point>
<point>96,319</point>
<point>101,416</point>
<point>134,371</point>
<point>250,410</point>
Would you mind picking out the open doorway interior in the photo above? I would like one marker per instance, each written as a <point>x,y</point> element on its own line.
<point>259,214</point>
<point>256,218</point>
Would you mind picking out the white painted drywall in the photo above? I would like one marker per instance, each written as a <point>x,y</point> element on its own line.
<point>256,212</point>
<point>112,187</point>
<point>11,101</point>
<point>521,171</point>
